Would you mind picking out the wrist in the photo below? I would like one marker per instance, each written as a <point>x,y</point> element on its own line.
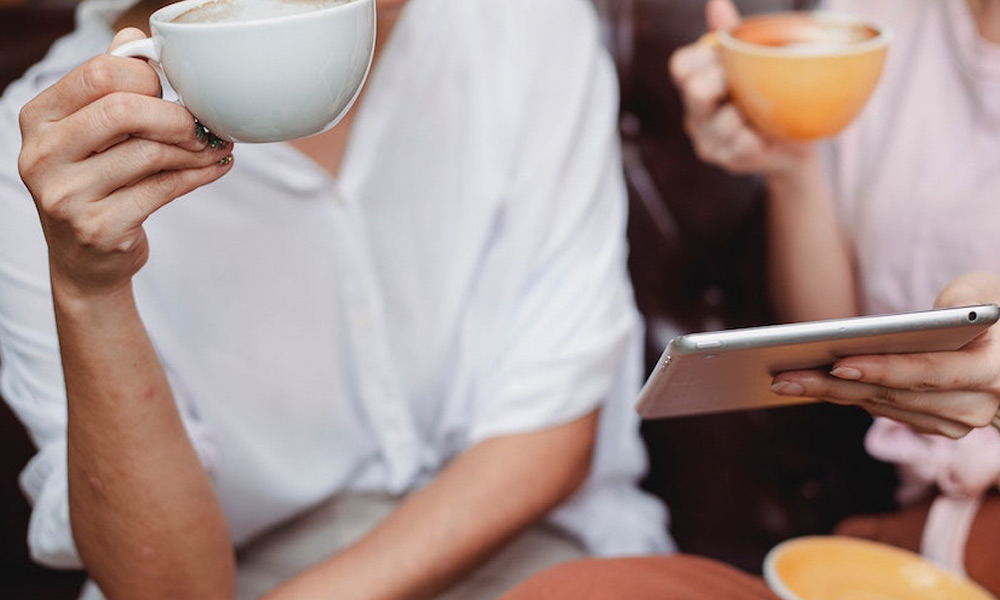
<point>73,300</point>
<point>796,177</point>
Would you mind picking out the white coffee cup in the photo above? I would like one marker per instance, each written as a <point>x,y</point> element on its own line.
<point>268,79</point>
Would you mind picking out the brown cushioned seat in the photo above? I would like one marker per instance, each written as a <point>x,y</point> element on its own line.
<point>677,577</point>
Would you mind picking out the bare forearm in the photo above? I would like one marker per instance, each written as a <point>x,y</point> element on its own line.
<point>144,515</point>
<point>810,267</point>
<point>483,499</point>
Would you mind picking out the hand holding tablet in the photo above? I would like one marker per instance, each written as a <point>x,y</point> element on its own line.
<point>733,369</point>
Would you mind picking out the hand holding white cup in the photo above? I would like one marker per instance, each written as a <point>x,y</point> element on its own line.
<point>262,70</point>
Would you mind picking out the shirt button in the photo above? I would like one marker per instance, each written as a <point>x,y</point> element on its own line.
<point>363,321</point>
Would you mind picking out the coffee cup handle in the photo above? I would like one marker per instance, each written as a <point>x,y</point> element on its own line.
<point>144,48</point>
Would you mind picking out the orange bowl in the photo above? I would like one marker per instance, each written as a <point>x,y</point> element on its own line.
<point>844,568</point>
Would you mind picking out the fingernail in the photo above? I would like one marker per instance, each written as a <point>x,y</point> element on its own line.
<point>787,388</point>
<point>205,134</point>
<point>215,143</point>
<point>200,131</point>
<point>225,160</point>
<point>846,373</point>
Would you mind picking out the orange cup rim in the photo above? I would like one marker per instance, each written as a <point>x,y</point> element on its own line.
<point>882,38</point>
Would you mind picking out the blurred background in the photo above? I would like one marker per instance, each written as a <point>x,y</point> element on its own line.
<point>736,483</point>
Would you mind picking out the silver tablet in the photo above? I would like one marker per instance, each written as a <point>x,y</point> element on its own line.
<point>732,369</point>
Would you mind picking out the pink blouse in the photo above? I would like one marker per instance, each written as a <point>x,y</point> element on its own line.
<point>917,179</point>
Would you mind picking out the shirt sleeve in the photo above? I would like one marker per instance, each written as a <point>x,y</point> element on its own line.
<point>31,379</point>
<point>563,341</point>
<point>962,468</point>
<point>31,376</point>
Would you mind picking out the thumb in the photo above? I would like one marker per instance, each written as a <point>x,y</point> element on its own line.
<point>128,34</point>
<point>721,14</point>
<point>971,288</point>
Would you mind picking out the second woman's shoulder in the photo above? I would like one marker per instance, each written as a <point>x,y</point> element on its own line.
<point>896,14</point>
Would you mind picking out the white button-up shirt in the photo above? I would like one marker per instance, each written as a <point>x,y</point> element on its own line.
<point>463,277</point>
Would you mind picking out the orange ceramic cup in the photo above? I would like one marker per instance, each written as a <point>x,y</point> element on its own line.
<point>802,75</point>
<point>843,568</point>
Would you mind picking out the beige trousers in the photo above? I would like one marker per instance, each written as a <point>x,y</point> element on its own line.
<point>291,548</point>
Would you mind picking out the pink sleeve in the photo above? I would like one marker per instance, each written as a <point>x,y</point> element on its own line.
<point>962,469</point>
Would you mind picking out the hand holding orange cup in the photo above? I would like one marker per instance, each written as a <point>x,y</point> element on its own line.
<point>800,75</point>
